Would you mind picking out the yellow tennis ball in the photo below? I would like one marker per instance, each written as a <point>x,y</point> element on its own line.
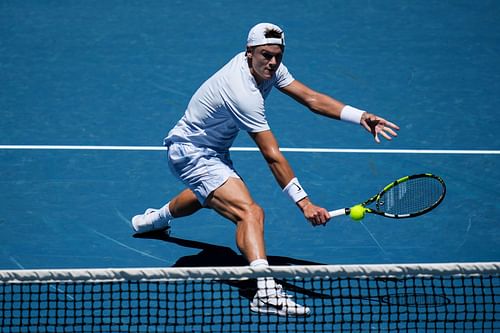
<point>357,212</point>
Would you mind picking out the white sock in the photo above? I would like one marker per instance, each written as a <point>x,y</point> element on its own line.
<point>165,212</point>
<point>264,284</point>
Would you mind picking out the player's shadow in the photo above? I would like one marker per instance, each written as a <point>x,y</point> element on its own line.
<point>221,256</point>
<point>215,255</point>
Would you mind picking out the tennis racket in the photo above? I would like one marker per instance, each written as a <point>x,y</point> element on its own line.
<point>408,196</point>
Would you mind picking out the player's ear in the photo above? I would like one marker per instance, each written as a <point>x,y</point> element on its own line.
<point>249,52</point>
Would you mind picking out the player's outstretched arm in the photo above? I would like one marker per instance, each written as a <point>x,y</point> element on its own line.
<point>316,102</point>
<point>329,107</point>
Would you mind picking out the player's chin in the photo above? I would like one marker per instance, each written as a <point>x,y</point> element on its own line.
<point>268,74</point>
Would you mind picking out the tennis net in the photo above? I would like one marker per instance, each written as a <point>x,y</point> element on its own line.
<point>352,298</point>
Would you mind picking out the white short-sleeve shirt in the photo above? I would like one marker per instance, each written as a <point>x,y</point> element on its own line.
<point>229,101</point>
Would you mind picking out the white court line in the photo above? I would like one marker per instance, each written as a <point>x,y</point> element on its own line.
<point>76,147</point>
<point>253,149</point>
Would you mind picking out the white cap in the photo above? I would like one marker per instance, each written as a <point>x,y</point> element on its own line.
<point>257,35</point>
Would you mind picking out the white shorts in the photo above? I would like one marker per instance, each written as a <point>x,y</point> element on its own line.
<point>201,169</point>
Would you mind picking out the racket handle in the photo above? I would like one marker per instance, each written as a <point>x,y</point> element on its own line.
<point>339,212</point>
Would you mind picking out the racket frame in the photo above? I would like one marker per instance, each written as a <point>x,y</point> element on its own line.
<point>376,197</point>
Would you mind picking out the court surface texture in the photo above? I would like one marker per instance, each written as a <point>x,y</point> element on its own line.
<point>89,89</point>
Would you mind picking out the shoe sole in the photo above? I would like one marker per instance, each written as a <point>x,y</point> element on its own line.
<point>166,230</point>
<point>279,312</point>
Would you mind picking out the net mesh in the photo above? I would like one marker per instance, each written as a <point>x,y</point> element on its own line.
<point>373,298</point>
<point>412,196</point>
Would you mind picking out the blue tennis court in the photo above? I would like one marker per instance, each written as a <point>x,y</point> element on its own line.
<point>112,78</point>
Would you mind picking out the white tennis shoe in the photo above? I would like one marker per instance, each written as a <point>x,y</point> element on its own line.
<point>277,302</point>
<point>150,221</point>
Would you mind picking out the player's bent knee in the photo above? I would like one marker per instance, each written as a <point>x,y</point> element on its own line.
<point>253,214</point>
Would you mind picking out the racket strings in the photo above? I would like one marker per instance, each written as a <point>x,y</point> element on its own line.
<point>411,196</point>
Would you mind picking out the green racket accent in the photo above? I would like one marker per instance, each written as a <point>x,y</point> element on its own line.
<point>405,197</point>
<point>409,196</point>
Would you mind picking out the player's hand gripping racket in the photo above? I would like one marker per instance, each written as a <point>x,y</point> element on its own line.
<point>409,196</point>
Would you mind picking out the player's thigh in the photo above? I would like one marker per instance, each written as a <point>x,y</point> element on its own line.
<point>233,201</point>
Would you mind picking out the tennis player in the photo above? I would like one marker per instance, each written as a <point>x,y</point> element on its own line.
<point>198,152</point>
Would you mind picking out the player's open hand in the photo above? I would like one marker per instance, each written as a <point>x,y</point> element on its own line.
<point>379,126</point>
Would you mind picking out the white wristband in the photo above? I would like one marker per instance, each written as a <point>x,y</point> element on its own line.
<point>295,191</point>
<point>351,114</point>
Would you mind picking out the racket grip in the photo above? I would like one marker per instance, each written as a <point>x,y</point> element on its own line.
<point>339,212</point>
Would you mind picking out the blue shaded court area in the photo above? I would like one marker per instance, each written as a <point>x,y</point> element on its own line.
<point>108,73</point>
<point>106,80</point>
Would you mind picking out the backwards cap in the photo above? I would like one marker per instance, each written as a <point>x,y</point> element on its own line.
<point>257,35</point>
